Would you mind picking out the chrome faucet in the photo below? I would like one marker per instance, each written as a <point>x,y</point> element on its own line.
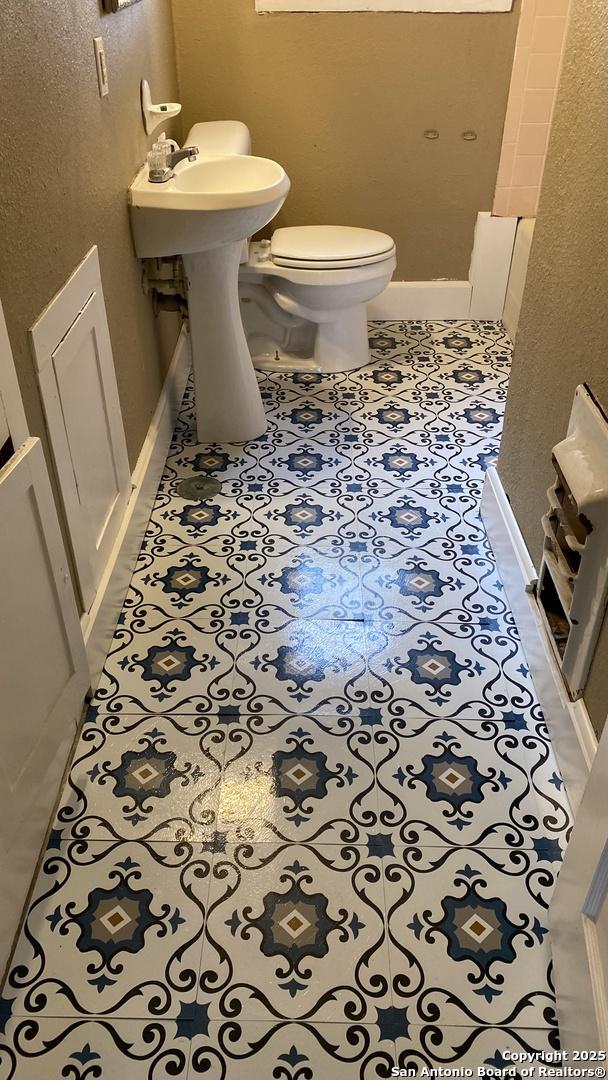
<point>174,156</point>
<point>161,161</point>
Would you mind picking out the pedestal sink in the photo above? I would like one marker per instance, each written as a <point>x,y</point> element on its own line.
<point>203,213</point>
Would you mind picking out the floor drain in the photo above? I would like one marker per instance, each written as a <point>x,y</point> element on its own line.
<point>199,487</point>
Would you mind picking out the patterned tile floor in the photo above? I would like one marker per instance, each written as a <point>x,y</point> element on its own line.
<point>314,819</point>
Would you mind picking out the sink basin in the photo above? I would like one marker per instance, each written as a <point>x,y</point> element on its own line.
<point>204,213</point>
<point>208,202</point>
<point>228,182</point>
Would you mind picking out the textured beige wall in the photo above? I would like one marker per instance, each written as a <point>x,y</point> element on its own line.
<point>66,160</point>
<point>342,101</point>
<point>563,331</point>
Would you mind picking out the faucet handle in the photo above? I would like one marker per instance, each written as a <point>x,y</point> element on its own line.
<point>158,161</point>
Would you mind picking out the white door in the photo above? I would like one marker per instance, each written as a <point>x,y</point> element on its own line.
<point>43,669</point>
<point>579,920</point>
<point>73,354</point>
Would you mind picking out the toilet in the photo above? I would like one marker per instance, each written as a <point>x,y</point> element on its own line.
<point>303,293</point>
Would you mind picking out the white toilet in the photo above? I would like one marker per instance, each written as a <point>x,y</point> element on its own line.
<point>304,295</point>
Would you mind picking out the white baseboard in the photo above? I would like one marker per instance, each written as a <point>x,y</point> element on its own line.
<point>572,734</point>
<point>482,297</point>
<point>422,300</point>
<point>490,265</point>
<point>517,275</point>
<point>99,623</point>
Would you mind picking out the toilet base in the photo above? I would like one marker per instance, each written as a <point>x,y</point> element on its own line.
<point>283,361</point>
<point>340,345</point>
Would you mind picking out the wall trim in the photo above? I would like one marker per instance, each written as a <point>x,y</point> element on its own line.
<point>98,624</point>
<point>320,6</point>
<point>11,402</point>
<point>490,265</point>
<point>572,734</point>
<point>482,297</point>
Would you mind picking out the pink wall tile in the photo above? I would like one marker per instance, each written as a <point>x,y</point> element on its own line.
<point>519,73</point>
<point>532,139</point>
<point>527,170</point>
<point>552,7</point>
<point>523,202</point>
<point>505,169</point>
<point>548,34</point>
<point>537,106</point>
<point>525,30</point>
<point>536,67</point>
<point>511,128</point>
<point>543,71</point>
<point>501,202</point>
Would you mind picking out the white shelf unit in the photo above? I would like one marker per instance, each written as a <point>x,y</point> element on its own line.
<point>573,581</point>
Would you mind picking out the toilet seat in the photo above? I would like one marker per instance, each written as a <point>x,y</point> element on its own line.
<point>260,265</point>
<point>329,247</point>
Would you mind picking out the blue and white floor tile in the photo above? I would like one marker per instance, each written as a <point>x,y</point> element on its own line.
<point>230,463</point>
<point>179,522</point>
<point>144,778</point>
<point>419,586</point>
<point>294,931</point>
<point>304,464</point>
<point>82,1049</point>
<point>190,582</point>
<point>113,930</point>
<point>468,935</point>
<point>449,670</point>
<point>301,665</point>
<point>163,665</point>
<point>390,524</point>
<point>305,518</point>
<point>305,583</point>
<point>313,820</point>
<point>441,343</point>
<point>195,1046</point>
<point>291,422</point>
<point>472,783</point>
<point>293,779</point>
<point>292,1051</point>
<point>388,467</point>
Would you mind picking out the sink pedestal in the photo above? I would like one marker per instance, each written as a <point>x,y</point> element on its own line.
<point>227,397</point>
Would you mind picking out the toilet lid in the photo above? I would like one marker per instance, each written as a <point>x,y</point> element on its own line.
<point>326,247</point>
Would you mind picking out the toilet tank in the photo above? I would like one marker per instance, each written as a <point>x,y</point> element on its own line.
<point>218,137</point>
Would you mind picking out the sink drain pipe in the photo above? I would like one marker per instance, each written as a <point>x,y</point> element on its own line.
<point>164,282</point>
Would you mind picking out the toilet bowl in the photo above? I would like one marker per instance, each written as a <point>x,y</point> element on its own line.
<point>304,293</point>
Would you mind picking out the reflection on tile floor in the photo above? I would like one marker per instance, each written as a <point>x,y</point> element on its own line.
<point>314,819</point>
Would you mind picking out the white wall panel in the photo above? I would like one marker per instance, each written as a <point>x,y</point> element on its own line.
<point>73,353</point>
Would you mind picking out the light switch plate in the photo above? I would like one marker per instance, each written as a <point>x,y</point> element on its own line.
<point>102,67</point>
